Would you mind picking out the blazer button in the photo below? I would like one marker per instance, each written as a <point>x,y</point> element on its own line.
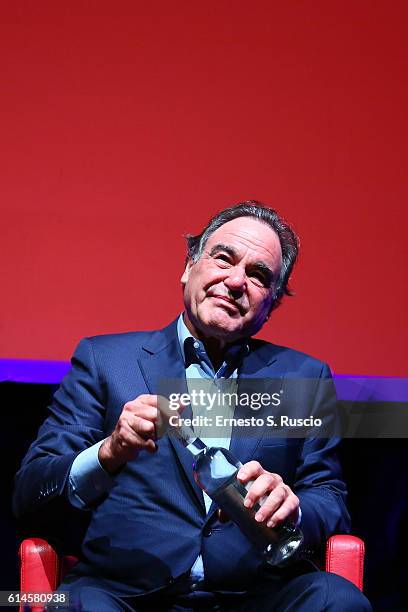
<point>207,532</point>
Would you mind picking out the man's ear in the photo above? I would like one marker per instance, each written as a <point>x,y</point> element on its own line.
<point>186,273</point>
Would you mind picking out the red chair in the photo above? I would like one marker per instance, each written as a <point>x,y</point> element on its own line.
<point>41,569</point>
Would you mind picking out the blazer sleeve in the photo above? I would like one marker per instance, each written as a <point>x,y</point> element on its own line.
<point>75,421</point>
<point>319,483</point>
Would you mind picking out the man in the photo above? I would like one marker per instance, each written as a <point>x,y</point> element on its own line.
<point>153,540</point>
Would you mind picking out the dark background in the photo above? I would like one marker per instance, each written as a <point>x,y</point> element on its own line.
<point>375,470</point>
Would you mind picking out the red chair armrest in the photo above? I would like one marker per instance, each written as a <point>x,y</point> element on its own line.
<point>39,568</point>
<point>345,557</point>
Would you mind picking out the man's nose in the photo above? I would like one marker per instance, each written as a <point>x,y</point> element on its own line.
<point>236,280</point>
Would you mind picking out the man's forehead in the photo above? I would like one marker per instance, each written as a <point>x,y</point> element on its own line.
<point>243,233</point>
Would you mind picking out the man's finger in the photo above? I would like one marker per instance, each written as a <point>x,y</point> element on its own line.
<point>272,503</point>
<point>140,402</point>
<point>263,485</point>
<point>148,399</point>
<point>143,426</point>
<point>250,471</point>
<point>289,510</point>
<point>149,413</point>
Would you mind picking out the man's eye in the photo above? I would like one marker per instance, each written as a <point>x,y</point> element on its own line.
<point>222,257</point>
<point>260,279</point>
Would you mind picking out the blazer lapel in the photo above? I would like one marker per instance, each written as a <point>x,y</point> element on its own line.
<point>261,363</point>
<point>163,369</point>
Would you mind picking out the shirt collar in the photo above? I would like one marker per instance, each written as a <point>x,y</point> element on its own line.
<point>234,354</point>
<point>183,333</point>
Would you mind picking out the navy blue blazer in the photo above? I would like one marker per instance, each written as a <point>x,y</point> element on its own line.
<point>150,528</point>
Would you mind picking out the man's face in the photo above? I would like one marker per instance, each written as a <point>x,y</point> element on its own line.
<point>228,292</point>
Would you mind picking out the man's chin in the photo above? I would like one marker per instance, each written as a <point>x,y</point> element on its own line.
<point>222,327</point>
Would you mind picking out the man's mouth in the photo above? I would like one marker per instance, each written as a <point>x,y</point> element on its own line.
<point>226,299</point>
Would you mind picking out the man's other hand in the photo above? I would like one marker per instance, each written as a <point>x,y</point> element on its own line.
<point>278,502</point>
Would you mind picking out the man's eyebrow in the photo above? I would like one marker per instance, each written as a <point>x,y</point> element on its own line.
<point>261,266</point>
<point>265,269</point>
<point>223,247</point>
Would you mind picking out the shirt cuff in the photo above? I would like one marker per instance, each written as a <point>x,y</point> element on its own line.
<point>88,481</point>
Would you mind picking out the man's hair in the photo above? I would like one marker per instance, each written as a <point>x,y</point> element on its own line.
<point>257,210</point>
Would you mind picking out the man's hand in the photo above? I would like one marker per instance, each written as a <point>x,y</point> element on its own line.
<point>134,431</point>
<point>278,502</point>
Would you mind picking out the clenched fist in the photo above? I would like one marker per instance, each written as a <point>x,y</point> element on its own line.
<point>134,431</point>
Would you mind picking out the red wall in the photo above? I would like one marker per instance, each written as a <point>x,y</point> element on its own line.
<point>126,124</point>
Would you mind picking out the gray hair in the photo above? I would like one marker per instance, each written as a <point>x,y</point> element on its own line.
<point>257,210</point>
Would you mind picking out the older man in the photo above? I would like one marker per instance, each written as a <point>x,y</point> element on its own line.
<point>153,539</point>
